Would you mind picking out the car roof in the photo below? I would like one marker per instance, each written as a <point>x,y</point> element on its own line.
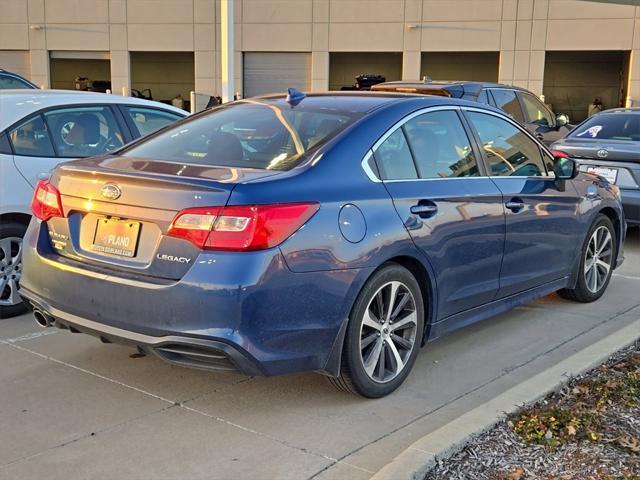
<point>461,86</point>
<point>635,110</point>
<point>360,101</point>
<point>16,104</point>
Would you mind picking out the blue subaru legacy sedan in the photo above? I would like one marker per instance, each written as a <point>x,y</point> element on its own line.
<point>335,233</point>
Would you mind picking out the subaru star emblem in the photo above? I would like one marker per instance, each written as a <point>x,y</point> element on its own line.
<point>110,191</point>
<point>602,153</point>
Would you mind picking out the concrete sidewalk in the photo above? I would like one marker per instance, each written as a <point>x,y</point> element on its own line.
<point>71,407</point>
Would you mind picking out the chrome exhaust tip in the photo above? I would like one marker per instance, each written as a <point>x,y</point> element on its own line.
<point>42,319</point>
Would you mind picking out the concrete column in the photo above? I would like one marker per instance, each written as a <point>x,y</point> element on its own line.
<point>320,71</point>
<point>120,72</point>
<point>411,41</point>
<point>40,68</point>
<point>205,46</point>
<point>227,56</point>
<point>411,65</point>
<point>40,74</point>
<point>320,46</point>
<point>118,45</point>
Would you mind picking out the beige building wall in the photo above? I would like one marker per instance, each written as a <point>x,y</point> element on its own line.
<point>522,31</point>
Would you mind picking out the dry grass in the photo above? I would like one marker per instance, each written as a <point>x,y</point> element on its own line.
<point>589,430</point>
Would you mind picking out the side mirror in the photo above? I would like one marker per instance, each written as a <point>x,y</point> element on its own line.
<point>562,119</point>
<point>564,167</point>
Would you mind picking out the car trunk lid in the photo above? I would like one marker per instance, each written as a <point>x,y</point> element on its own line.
<point>594,149</point>
<point>118,210</point>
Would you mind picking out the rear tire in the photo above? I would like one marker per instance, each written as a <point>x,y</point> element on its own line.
<point>384,334</point>
<point>11,234</point>
<point>597,260</point>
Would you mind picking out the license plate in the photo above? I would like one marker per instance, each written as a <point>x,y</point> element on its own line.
<point>610,174</point>
<point>116,237</point>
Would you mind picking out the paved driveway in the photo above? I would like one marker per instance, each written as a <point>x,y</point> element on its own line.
<point>71,407</point>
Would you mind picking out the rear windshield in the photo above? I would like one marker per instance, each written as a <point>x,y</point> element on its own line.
<point>610,126</point>
<point>251,134</point>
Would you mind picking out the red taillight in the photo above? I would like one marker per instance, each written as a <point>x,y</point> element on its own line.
<point>46,202</point>
<point>238,228</point>
<point>559,154</point>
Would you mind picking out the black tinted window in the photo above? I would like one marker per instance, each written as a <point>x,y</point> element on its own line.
<point>510,152</point>
<point>393,158</point>
<point>610,126</point>
<point>440,146</point>
<point>506,100</point>
<point>31,138</point>
<point>83,131</point>
<point>251,134</point>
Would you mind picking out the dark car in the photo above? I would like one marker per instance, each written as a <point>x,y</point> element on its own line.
<point>13,81</point>
<point>608,144</point>
<point>334,233</point>
<point>521,104</point>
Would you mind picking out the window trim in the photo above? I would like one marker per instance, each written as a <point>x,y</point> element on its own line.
<point>541,147</point>
<point>475,144</point>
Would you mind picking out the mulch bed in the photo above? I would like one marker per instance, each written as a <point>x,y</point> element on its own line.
<point>588,430</point>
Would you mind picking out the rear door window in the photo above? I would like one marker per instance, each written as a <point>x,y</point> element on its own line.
<point>508,150</point>
<point>31,138</point>
<point>394,159</point>
<point>147,120</point>
<point>507,101</point>
<point>440,146</point>
<point>84,131</point>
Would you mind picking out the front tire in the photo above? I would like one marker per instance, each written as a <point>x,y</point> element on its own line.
<point>384,334</point>
<point>598,258</point>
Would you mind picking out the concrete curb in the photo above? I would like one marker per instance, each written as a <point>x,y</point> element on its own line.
<point>421,456</point>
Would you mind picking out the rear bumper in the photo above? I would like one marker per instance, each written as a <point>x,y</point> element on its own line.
<point>179,350</point>
<point>231,311</point>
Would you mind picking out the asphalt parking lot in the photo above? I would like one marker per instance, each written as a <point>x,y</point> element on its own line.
<point>72,407</point>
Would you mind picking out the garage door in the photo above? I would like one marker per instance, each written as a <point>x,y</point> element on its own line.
<point>344,67</point>
<point>572,80</point>
<point>274,72</point>
<point>476,66</point>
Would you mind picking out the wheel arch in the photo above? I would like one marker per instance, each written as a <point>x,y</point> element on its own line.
<point>427,288</point>
<point>422,276</point>
<point>17,217</point>
<point>614,217</point>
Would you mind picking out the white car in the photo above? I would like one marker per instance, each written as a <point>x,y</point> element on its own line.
<point>38,130</point>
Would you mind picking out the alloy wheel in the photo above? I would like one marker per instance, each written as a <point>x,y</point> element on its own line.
<point>10,270</point>
<point>598,259</point>
<point>388,331</point>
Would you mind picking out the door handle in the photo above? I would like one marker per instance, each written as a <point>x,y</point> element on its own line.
<point>515,205</point>
<point>424,210</point>
<point>539,136</point>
